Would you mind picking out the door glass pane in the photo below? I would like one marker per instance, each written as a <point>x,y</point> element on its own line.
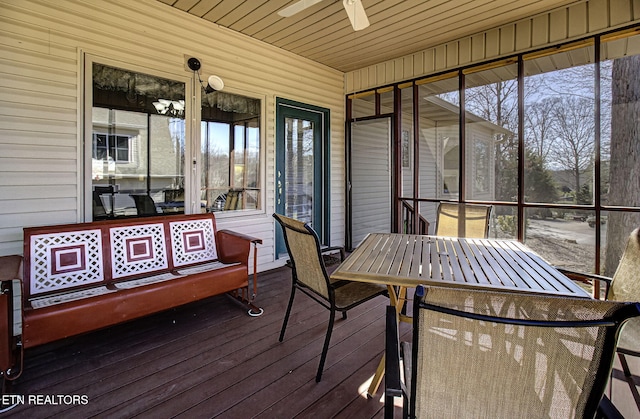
<point>299,169</point>
<point>138,143</point>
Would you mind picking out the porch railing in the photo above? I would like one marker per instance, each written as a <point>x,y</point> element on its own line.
<point>408,214</point>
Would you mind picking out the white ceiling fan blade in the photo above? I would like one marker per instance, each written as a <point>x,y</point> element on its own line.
<point>356,13</point>
<point>297,7</point>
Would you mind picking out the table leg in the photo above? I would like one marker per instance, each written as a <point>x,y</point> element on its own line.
<point>377,378</point>
<point>401,300</point>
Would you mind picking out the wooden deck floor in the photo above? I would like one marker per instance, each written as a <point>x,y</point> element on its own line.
<point>211,359</point>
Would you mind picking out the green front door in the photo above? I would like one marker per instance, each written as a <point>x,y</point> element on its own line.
<point>302,164</point>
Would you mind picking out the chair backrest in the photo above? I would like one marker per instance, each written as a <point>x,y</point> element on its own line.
<point>529,356</point>
<point>174,195</point>
<point>145,205</point>
<point>98,206</point>
<point>304,250</point>
<point>233,201</point>
<point>626,280</point>
<point>463,220</point>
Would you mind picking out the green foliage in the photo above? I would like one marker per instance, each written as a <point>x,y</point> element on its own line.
<point>508,225</point>
<point>583,196</point>
<point>539,183</point>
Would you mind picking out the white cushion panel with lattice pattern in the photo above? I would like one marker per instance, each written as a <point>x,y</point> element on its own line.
<point>64,260</point>
<point>137,249</point>
<point>193,241</point>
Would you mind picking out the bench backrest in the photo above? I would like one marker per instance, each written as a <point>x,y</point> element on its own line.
<point>70,256</point>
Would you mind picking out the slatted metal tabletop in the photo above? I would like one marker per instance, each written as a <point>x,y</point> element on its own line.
<point>409,260</point>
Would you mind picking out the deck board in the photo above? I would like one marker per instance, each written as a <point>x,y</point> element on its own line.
<point>211,359</point>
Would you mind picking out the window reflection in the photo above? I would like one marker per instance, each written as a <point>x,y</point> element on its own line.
<point>137,147</point>
<point>230,146</point>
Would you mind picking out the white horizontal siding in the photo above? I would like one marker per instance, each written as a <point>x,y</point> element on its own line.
<point>558,26</point>
<point>41,116</point>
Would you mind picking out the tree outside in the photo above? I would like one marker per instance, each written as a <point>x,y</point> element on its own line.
<point>624,178</point>
<point>560,145</point>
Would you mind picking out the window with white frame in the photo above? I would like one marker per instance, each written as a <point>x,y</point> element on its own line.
<point>230,146</point>
<point>112,147</point>
<point>137,143</point>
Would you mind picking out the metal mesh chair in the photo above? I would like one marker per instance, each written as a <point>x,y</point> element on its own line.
<point>99,211</point>
<point>623,286</point>
<point>144,205</point>
<point>233,200</point>
<point>309,275</point>
<point>463,220</point>
<point>504,355</point>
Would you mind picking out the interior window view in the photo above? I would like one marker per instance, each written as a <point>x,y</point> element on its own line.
<point>300,174</point>
<point>138,145</point>
<point>138,149</point>
<point>230,147</point>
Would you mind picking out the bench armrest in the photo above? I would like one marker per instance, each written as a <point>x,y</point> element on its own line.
<point>11,348</point>
<point>234,247</point>
<point>11,267</point>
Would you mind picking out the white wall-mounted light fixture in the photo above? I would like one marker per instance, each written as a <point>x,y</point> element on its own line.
<point>214,83</point>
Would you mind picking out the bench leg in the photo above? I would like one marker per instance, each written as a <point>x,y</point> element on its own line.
<point>254,311</point>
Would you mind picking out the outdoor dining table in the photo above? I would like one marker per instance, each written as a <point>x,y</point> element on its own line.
<point>404,261</point>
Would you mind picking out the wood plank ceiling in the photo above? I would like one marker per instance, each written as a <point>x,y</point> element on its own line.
<point>323,33</point>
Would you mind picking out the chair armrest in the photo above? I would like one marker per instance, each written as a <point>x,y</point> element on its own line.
<point>333,249</point>
<point>584,277</point>
<point>587,278</point>
<point>393,385</point>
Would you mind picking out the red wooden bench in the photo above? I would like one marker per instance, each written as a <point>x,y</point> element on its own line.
<point>77,278</point>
